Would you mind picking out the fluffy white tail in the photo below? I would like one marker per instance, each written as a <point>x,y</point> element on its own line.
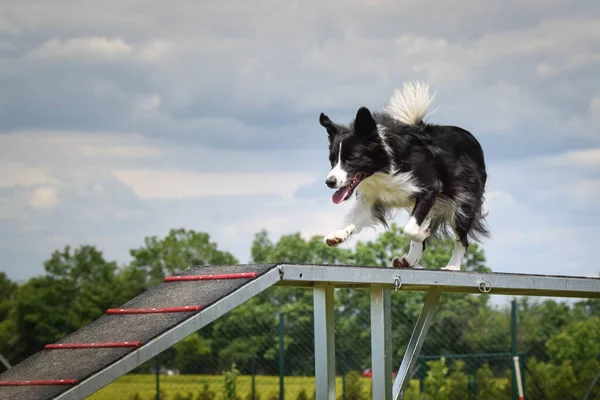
<point>410,104</point>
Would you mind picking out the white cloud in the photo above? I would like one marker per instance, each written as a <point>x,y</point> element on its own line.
<point>177,185</point>
<point>14,173</point>
<point>123,152</point>
<point>61,150</point>
<point>155,50</point>
<point>588,158</point>
<point>44,198</point>
<point>222,86</point>
<point>584,195</point>
<point>84,47</point>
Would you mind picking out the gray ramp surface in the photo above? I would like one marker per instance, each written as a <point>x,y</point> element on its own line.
<point>79,364</point>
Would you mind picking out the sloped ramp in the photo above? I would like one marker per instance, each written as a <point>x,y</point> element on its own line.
<point>126,337</point>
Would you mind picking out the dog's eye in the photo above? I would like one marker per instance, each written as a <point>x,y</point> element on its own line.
<point>352,157</point>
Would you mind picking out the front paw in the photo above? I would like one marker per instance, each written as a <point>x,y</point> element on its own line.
<point>336,238</point>
<point>401,262</point>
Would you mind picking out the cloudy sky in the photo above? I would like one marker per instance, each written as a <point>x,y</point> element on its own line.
<point>122,119</point>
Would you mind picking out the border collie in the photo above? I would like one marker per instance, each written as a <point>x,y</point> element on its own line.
<point>395,160</point>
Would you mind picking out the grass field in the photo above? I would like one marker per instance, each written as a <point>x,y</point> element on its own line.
<point>144,385</point>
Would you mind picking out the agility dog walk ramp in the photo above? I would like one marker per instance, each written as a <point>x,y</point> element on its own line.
<point>124,338</point>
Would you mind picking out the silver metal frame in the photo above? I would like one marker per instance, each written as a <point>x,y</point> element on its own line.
<point>416,342</point>
<point>451,281</point>
<point>324,340</point>
<point>380,281</point>
<point>381,342</point>
<point>5,362</point>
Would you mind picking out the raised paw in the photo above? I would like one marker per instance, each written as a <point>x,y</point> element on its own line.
<point>451,268</point>
<point>336,238</point>
<point>400,262</point>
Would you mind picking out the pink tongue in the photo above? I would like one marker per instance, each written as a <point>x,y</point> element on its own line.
<point>340,194</point>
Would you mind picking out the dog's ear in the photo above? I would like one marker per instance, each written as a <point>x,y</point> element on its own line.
<point>331,128</point>
<point>364,124</point>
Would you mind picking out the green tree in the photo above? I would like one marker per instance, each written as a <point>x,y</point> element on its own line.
<point>191,352</point>
<point>9,337</point>
<point>177,251</point>
<point>78,287</point>
<point>538,322</point>
<point>578,343</point>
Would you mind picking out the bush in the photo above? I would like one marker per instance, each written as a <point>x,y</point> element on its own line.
<point>229,385</point>
<point>206,394</point>
<point>302,395</point>
<point>486,386</point>
<point>456,385</point>
<point>354,386</point>
<point>436,380</point>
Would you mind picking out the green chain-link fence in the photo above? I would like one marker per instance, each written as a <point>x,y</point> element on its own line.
<point>468,353</point>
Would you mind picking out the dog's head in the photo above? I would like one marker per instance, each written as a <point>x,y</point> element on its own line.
<point>355,152</point>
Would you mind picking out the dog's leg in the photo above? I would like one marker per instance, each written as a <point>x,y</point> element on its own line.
<point>412,258</point>
<point>462,222</point>
<point>417,227</point>
<point>417,230</point>
<point>359,217</point>
<point>456,259</point>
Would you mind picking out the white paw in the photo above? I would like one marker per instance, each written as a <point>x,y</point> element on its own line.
<point>451,268</point>
<point>414,232</point>
<point>335,238</point>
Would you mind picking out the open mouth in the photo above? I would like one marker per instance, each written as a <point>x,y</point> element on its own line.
<point>345,192</point>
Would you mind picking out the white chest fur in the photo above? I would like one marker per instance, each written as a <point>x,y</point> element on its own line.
<point>391,190</point>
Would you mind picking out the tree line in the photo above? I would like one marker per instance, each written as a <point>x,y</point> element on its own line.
<point>79,284</point>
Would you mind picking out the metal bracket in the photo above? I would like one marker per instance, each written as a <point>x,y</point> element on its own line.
<point>484,286</point>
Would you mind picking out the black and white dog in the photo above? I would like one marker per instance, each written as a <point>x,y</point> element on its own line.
<point>394,160</point>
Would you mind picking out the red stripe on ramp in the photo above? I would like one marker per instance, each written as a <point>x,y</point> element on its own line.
<point>39,382</point>
<point>91,345</point>
<point>181,278</point>
<point>154,310</point>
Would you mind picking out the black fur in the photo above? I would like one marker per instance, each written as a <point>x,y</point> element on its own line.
<point>447,162</point>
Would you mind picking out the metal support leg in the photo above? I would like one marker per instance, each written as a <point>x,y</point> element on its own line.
<point>5,362</point>
<point>324,341</point>
<point>416,341</point>
<point>381,342</point>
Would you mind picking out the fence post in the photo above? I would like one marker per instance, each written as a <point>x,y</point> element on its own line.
<point>281,357</point>
<point>157,378</point>
<point>343,372</point>
<point>513,342</point>
<point>254,377</point>
<point>473,374</point>
<point>524,372</point>
<point>421,374</point>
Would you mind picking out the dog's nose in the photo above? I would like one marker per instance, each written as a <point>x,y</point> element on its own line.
<point>331,181</point>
